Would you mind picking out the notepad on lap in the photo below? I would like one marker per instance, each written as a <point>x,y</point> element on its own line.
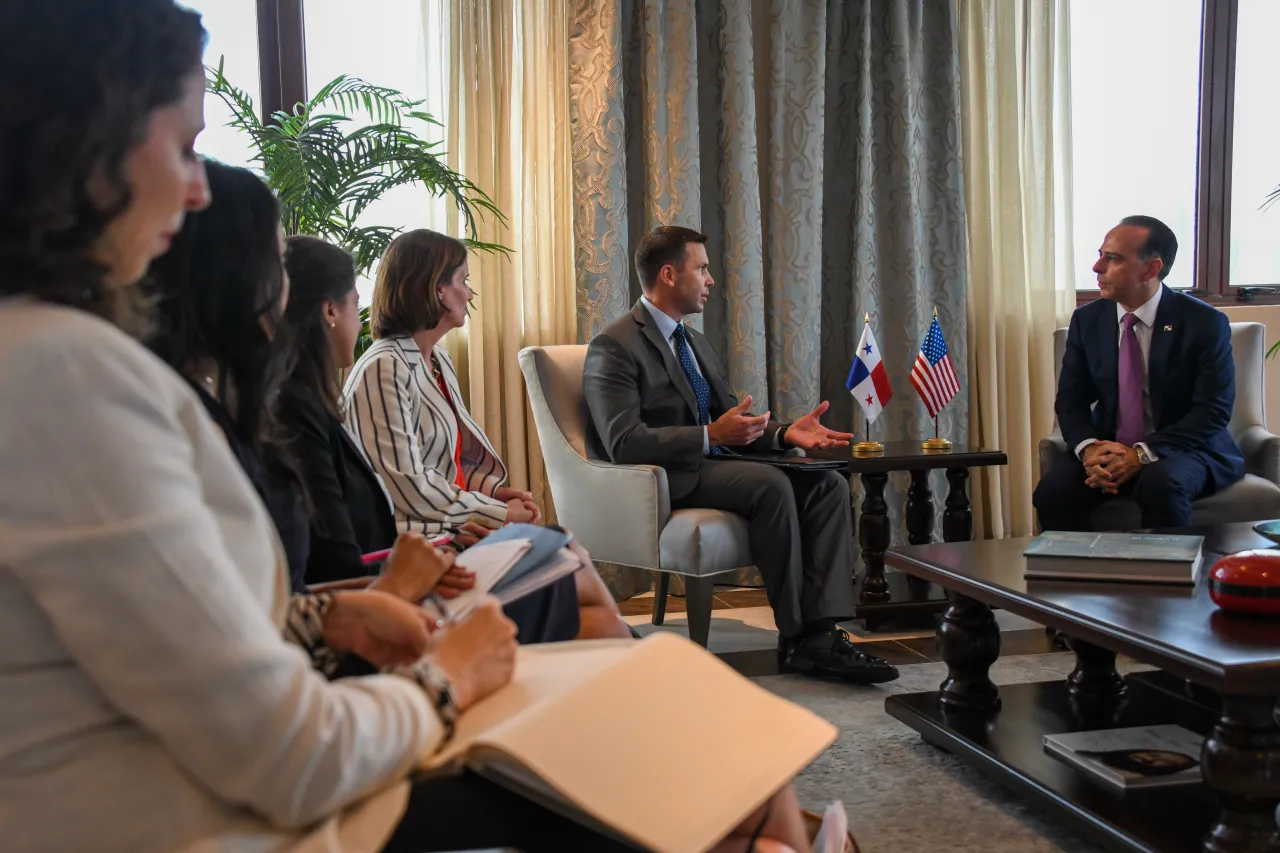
<point>656,740</point>
<point>1131,557</point>
<point>490,564</point>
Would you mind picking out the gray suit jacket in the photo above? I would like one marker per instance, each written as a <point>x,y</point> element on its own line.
<point>643,411</point>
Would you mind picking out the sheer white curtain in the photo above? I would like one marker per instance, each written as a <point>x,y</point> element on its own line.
<point>1016,124</point>
<point>508,131</point>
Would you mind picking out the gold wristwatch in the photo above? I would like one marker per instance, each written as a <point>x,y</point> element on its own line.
<point>1143,457</point>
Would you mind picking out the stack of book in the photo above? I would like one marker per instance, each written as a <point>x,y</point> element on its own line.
<point>1130,557</point>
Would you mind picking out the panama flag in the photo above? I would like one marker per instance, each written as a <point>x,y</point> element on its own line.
<point>868,382</point>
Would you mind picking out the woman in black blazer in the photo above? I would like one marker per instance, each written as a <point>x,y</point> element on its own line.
<point>351,514</point>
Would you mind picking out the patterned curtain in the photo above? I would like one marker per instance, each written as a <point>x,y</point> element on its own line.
<point>817,143</point>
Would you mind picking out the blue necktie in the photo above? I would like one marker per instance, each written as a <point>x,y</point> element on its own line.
<point>701,390</point>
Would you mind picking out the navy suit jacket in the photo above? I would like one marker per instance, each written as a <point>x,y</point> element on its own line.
<point>1191,375</point>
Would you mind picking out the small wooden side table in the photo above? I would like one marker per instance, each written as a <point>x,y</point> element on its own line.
<point>881,599</point>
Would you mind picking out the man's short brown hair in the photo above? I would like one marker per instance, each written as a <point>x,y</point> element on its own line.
<point>662,246</point>
<point>406,294</point>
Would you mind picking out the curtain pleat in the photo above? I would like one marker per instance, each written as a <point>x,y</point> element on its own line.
<point>1015,108</point>
<point>817,143</point>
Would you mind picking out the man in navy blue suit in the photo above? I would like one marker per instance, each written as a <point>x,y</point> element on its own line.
<point>1145,394</point>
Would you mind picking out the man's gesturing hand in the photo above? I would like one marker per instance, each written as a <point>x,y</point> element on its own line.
<point>735,427</point>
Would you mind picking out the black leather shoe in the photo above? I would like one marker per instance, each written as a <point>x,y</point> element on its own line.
<point>831,655</point>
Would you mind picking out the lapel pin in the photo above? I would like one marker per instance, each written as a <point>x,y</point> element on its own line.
<point>1168,328</point>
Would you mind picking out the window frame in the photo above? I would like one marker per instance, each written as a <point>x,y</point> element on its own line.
<point>1212,244</point>
<point>282,55</point>
<point>282,59</point>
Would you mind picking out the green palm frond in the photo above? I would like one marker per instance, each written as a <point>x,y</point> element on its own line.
<point>327,167</point>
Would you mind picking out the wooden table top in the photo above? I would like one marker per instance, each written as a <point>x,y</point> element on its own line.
<point>1178,629</point>
<point>909,456</point>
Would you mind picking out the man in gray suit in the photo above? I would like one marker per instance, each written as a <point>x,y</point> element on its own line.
<point>658,395</point>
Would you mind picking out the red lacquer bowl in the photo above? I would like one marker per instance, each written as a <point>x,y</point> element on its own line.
<point>1248,582</point>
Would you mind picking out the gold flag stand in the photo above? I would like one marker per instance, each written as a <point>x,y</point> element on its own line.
<point>936,444</point>
<point>868,447</point>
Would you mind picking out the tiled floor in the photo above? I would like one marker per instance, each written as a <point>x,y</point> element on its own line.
<point>908,647</point>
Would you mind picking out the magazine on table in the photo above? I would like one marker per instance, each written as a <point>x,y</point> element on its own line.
<point>1141,757</point>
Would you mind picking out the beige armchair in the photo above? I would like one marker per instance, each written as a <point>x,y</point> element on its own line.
<point>1254,498</point>
<point>622,513</point>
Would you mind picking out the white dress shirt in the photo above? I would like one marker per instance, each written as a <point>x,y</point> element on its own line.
<point>1142,330</point>
<point>667,326</point>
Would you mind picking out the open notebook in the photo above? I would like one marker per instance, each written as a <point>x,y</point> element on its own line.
<point>657,741</point>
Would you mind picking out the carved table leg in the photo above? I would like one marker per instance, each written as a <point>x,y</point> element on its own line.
<point>1095,675</point>
<point>919,524</point>
<point>1098,692</point>
<point>1241,765</point>
<point>969,641</point>
<point>873,534</point>
<point>957,521</point>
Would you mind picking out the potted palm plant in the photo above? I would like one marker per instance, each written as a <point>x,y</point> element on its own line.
<point>327,168</point>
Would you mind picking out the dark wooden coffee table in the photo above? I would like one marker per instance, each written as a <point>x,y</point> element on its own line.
<point>1219,675</point>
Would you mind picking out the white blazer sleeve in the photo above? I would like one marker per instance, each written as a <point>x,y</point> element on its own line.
<point>381,411</point>
<point>104,523</point>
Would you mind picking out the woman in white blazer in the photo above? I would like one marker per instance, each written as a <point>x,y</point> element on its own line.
<point>403,403</point>
<point>150,701</point>
<point>157,686</point>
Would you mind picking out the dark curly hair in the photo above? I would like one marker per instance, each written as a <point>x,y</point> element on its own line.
<point>214,291</point>
<point>319,272</point>
<point>78,82</point>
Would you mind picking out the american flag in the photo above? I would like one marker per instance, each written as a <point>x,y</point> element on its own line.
<point>932,375</point>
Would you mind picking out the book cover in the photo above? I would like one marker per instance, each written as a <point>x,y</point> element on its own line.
<point>1150,547</point>
<point>1141,757</point>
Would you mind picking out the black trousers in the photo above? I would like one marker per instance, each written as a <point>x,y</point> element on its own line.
<point>801,535</point>
<point>1163,490</point>
<point>549,615</point>
<point>467,812</point>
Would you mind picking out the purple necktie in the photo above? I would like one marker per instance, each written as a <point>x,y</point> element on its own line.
<point>1129,427</point>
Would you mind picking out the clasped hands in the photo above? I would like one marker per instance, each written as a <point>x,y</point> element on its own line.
<point>737,428</point>
<point>1108,465</point>
<point>520,505</point>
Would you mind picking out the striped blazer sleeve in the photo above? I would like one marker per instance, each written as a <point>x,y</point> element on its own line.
<point>380,409</point>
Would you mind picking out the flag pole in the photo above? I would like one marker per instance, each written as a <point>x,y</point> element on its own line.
<point>935,444</point>
<point>868,447</point>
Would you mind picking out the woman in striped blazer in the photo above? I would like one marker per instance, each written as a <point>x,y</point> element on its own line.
<point>403,404</point>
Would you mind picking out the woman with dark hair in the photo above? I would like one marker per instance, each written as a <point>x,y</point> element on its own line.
<point>152,702</point>
<point>351,514</point>
<point>220,296</point>
<point>403,403</point>
<point>221,291</point>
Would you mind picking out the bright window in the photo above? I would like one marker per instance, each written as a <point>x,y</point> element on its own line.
<point>1135,84</point>
<point>386,44</point>
<point>1255,161</point>
<point>233,37</point>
